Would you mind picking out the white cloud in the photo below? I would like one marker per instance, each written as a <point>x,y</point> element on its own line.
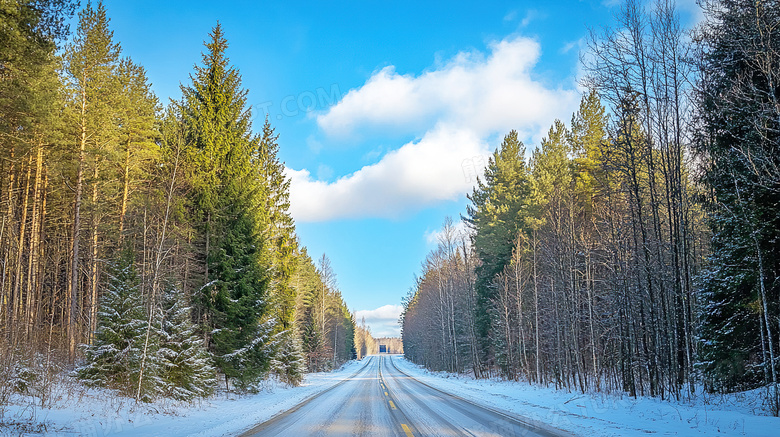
<point>420,173</point>
<point>485,94</point>
<point>383,320</point>
<point>456,110</point>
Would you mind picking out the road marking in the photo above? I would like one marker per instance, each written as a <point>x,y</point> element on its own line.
<point>386,394</point>
<point>407,430</point>
<point>392,405</point>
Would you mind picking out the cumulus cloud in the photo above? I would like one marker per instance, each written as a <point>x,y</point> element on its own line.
<point>433,169</point>
<point>383,321</point>
<point>455,110</point>
<point>486,94</point>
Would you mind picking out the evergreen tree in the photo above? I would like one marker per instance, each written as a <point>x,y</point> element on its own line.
<point>90,64</point>
<point>30,121</point>
<point>278,232</point>
<point>137,115</point>
<point>233,299</point>
<point>499,204</point>
<point>185,364</point>
<point>29,31</point>
<point>586,136</point>
<point>288,363</point>
<point>277,228</point>
<point>740,147</point>
<point>113,360</point>
<point>306,284</point>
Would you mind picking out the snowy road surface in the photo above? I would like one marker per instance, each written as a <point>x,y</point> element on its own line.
<point>381,400</point>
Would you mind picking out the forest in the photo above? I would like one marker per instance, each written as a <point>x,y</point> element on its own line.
<point>147,246</point>
<point>635,249</point>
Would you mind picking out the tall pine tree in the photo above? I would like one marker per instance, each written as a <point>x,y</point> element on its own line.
<point>499,204</point>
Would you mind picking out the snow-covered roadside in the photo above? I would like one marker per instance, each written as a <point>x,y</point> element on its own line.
<point>608,415</point>
<point>98,413</point>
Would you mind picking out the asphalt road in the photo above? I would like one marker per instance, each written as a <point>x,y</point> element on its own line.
<point>380,400</point>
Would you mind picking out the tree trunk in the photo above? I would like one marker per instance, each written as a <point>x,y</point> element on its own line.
<point>73,286</point>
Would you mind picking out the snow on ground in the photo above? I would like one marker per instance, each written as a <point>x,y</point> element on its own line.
<point>609,415</point>
<point>98,413</point>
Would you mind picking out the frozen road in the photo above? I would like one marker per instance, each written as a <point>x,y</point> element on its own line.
<point>380,400</point>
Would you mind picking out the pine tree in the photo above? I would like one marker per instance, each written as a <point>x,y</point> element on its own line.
<point>137,113</point>
<point>499,204</point>
<point>113,360</point>
<point>90,64</point>
<point>185,364</point>
<point>30,121</point>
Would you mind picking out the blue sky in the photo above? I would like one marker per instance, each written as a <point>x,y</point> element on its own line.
<point>385,109</point>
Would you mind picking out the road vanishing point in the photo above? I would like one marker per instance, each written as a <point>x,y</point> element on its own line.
<point>381,400</point>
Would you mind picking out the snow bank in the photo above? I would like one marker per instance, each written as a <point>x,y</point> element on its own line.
<point>100,413</point>
<point>597,414</point>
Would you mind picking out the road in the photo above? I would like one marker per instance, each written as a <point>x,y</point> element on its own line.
<point>380,400</point>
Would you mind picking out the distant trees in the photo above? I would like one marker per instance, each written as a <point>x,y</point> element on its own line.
<point>327,328</point>
<point>365,344</point>
<point>439,317</point>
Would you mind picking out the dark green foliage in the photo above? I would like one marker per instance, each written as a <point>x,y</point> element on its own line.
<point>740,145</point>
<point>29,30</point>
<point>186,371</point>
<point>113,359</point>
<point>226,193</point>
<point>278,234</point>
<point>499,204</point>
<point>277,228</point>
<point>288,363</point>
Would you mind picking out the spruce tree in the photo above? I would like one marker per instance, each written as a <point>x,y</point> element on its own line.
<point>225,209</point>
<point>740,148</point>
<point>278,233</point>
<point>185,364</point>
<point>113,360</point>
<point>288,363</point>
